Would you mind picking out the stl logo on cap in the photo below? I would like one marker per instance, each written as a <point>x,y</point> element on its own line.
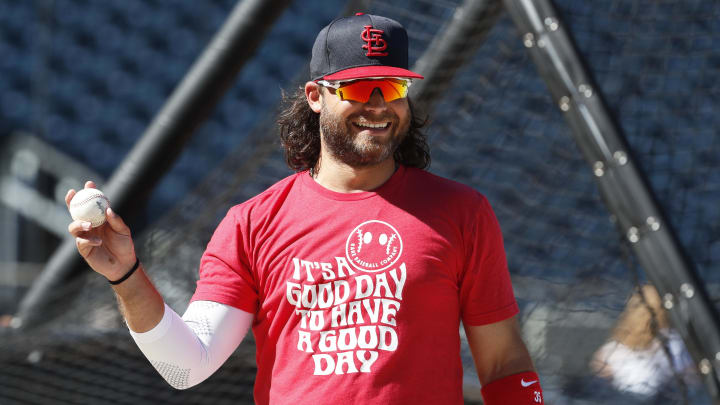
<point>375,44</point>
<point>373,246</point>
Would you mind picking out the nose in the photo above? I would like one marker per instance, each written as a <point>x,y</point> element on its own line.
<point>376,101</point>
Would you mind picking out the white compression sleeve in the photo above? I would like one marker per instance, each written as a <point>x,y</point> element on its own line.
<point>186,351</point>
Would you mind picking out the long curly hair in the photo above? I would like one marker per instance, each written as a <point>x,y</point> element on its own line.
<point>299,128</point>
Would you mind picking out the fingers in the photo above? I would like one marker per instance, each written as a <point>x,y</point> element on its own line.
<point>116,223</point>
<point>86,245</point>
<point>79,228</point>
<point>86,238</point>
<point>69,196</point>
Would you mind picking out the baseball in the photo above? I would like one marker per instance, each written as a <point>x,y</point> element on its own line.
<point>89,205</point>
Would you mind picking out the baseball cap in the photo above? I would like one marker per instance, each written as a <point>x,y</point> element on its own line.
<point>361,46</point>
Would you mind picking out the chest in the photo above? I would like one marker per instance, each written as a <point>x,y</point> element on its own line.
<point>355,253</point>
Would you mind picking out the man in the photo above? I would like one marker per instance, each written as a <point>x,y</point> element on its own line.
<point>356,271</point>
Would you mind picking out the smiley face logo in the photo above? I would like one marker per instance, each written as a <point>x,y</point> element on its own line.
<point>373,246</point>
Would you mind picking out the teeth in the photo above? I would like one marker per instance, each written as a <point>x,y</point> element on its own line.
<point>369,125</point>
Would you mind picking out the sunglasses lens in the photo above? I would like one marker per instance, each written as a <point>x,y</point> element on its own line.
<point>392,89</point>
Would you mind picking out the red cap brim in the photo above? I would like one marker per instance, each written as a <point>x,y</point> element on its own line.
<point>371,71</point>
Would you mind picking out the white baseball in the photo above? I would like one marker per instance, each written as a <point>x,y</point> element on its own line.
<point>89,204</point>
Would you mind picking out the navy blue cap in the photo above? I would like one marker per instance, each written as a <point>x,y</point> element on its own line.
<point>361,46</point>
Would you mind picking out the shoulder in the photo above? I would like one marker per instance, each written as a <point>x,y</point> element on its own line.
<point>266,201</point>
<point>443,190</point>
<point>449,201</point>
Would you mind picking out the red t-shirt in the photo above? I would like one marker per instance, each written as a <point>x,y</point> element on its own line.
<point>358,297</point>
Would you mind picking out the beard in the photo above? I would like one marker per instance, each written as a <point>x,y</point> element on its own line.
<point>359,150</point>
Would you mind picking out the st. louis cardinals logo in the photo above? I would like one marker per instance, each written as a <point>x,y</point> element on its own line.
<point>373,246</point>
<point>375,44</point>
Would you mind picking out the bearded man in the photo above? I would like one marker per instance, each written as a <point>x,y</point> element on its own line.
<point>356,271</point>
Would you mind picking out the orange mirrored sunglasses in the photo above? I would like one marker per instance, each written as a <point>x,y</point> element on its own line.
<point>360,90</point>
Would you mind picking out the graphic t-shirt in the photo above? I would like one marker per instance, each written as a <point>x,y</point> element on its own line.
<point>358,297</point>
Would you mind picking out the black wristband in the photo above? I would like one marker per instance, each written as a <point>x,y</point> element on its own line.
<point>128,274</point>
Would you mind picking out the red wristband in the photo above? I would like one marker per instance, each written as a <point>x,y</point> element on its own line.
<point>517,389</point>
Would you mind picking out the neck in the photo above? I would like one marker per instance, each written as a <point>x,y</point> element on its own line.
<point>339,177</point>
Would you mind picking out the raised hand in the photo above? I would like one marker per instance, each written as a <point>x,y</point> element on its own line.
<point>108,249</point>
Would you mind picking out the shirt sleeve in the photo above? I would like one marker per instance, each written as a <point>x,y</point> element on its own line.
<point>486,294</point>
<point>225,271</point>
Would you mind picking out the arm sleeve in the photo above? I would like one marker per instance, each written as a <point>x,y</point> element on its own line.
<point>186,351</point>
<point>486,294</point>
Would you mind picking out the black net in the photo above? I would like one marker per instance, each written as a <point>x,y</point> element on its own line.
<point>494,128</point>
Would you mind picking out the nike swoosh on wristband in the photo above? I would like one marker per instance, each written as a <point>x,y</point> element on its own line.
<point>527,384</point>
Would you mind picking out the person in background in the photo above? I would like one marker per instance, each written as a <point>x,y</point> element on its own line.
<point>643,352</point>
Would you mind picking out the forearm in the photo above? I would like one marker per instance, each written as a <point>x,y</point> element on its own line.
<point>513,380</point>
<point>139,301</point>
<point>516,361</point>
<point>498,350</point>
<point>503,364</point>
<point>187,350</point>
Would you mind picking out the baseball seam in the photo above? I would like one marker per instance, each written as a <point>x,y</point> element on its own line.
<point>89,199</point>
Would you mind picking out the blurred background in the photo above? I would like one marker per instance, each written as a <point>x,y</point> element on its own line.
<point>81,80</point>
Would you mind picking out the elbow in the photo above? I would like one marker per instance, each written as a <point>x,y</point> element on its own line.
<point>177,377</point>
<point>177,386</point>
<point>180,384</point>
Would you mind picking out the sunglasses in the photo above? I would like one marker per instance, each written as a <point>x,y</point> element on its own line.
<point>360,90</point>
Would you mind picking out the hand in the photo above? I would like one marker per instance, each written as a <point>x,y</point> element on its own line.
<point>108,248</point>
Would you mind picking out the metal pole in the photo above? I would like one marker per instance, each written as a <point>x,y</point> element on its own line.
<point>626,193</point>
<point>188,106</point>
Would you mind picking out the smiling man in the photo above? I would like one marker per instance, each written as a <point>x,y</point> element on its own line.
<point>355,272</point>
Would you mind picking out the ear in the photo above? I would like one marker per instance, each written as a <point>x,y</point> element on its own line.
<point>312,93</point>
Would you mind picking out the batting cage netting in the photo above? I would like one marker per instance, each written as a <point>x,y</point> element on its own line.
<point>86,77</point>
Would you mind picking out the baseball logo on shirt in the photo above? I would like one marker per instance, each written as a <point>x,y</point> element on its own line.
<point>347,319</point>
<point>373,246</point>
